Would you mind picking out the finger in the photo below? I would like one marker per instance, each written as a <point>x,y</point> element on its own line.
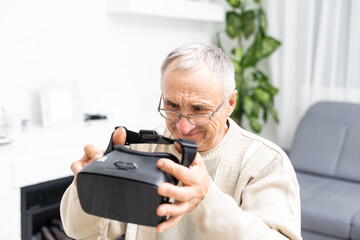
<point>171,222</point>
<point>91,153</point>
<point>119,136</point>
<point>180,172</point>
<point>76,167</point>
<point>173,210</point>
<point>181,194</point>
<point>198,160</point>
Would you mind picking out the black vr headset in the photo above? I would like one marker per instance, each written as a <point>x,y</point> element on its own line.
<point>122,185</point>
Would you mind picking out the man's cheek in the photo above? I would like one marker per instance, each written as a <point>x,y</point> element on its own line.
<point>172,127</point>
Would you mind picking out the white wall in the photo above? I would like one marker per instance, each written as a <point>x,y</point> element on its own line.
<point>113,59</point>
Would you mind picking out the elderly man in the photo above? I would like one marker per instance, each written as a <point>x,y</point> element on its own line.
<point>239,185</point>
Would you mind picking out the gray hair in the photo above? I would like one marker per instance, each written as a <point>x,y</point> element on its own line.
<point>190,57</point>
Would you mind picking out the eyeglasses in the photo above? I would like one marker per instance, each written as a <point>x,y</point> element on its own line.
<point>195,119</point>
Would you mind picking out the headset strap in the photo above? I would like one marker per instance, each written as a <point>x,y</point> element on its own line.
<point>189,147</point>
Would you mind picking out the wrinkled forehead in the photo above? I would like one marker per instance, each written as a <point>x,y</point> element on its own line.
<point>197,81</point>
<point>196,84</point>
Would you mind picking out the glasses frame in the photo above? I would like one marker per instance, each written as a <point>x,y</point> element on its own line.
<point>188,116</point>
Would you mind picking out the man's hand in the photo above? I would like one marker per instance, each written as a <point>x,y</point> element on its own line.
<point>196,181</point>
<point>92,153</point>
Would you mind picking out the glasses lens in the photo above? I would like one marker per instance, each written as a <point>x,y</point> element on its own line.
<point>169,115</point>
<point>192,118</point>
<point>198,119</point>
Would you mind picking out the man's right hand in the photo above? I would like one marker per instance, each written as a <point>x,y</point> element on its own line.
<point>93,153</point>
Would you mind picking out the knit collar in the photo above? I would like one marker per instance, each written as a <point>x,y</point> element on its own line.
<point>223,143</point>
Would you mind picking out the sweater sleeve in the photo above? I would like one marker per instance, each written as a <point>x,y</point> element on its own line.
<point>80,225</point>
<point>267,211</point>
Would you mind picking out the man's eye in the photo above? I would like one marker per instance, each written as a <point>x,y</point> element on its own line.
<point>201,111</point>
<point>198,109</point>
<point>171,106</point>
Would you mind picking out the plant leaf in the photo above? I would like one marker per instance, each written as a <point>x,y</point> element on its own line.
<point>248,105</point>
<point>255,125</point>
<point>218,41</point>
<point>256,110</point>
<point>249,57</point>
<point>258,75</point>
<point>264,82</point>
<point>234,3</point>
<point>262,95</point>
<point>237,66</point>
<point>233,24</point>
<point>262,21</point>
<point>265,114</point>
<point>274,115</point>
<point>261,48</point>
<point>267,46</point>
<point>247,22</point>
<point>272,90</point>
<point>238,53</point>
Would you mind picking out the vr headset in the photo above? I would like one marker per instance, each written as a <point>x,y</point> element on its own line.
<point>122,185</point>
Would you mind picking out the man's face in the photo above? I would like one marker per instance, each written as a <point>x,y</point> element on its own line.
<point>196,92</point>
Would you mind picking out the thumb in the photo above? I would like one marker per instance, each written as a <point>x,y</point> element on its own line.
<point>198,160</point>
<point>119,136</point>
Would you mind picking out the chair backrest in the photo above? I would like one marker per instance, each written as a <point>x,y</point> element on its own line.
<point>327,141</point>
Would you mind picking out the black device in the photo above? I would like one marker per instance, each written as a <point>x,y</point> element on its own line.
<point>122,185</point>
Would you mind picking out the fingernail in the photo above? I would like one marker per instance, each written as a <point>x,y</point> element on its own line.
<point>97,156</point>
<point>160,163</point>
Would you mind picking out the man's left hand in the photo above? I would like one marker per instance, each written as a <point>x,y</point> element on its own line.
<point>196,181</point>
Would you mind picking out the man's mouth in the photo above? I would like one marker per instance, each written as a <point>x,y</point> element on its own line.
<point>188,135</point>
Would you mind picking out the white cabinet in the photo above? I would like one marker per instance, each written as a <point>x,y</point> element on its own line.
<point>183,9</point>
<point>40,155</point>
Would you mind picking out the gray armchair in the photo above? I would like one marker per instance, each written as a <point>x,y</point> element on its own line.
<point>326,158</point>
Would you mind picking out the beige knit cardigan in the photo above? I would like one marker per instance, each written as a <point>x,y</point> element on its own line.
<point>253,194</point>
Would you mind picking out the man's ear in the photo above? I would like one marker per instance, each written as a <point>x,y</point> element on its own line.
<point>232,102</point>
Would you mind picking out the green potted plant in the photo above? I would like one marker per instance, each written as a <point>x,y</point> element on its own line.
<point>246,27</point>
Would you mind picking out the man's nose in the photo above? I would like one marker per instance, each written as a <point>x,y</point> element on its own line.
<point>184,126</point>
